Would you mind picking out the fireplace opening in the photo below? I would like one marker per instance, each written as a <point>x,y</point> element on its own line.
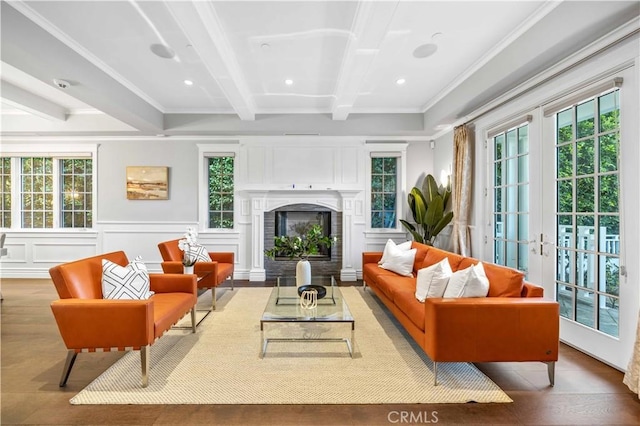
<point>297,223</point>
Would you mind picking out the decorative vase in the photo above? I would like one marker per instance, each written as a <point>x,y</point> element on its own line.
<point>303,273</point>
<point>187,269</point>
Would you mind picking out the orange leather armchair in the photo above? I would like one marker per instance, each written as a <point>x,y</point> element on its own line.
<point>89,323</point>
<point>210,274</point>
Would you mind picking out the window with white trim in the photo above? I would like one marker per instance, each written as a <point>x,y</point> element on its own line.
<point>384,192</point>
<point>46,192</point>
<point>220,178</point>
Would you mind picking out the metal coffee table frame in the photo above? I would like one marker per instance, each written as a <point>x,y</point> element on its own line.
<point>283,307</point>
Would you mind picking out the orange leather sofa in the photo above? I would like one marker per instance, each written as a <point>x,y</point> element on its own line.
<point>89,323</point>
<point>210,274</point>
<point>513,323</point>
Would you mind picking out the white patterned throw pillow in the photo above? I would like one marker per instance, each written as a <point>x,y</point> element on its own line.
<point>129,282</point>
<point>198,253</point>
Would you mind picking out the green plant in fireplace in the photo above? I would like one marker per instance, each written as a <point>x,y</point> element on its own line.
<point>301,246</point>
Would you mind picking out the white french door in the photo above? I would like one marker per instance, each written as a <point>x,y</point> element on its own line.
<point>582,243</point>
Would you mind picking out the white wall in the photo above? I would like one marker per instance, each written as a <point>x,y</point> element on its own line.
<point>264,164</point>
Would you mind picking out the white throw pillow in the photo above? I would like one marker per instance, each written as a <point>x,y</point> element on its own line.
<point>432,280</point>
<point>125,282</point>
<point>469,282</point>
<point>390,246</point>
<point>400,261</point>
<point>199,253</point>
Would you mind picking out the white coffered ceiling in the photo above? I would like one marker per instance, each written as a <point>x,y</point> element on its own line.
<point>343,58</point>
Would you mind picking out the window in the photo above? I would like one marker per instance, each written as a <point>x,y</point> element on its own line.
<point>221,191</point>
<point>77,200</point>
<point>587,143</point>
<point>511,197</point>
<point>51,192</point>
<point>36,192</point>
<point>384,192</point>
<point>5,187</point>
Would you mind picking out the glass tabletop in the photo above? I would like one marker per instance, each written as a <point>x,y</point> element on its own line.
<point>284,303</point>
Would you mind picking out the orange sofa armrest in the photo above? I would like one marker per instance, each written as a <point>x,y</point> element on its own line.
<point>532,290</point>
<point>371,257</point>
<point>222,257</point>
<point>492,329</point>
<point>104,323</point>
<point>173,283</point>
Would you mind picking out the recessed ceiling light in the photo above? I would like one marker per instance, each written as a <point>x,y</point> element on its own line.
<point>288,82</point>
<point>400,81</point>
<point>188,82</point>
<point>163,51</point>
<point>265,46</point>
<point>425,50</point>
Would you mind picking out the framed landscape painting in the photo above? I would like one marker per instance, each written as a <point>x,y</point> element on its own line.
<point>147,183</point>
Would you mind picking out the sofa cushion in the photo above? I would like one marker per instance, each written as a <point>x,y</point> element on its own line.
<point>432,280</point>
<point>435,255</point>
<point>390,284</point>
<point>469,282</point>
<point>405,300</point>
<point>400,261</point>
<point>390,246</point>
<point>421,252</point>
<point>125,282</point>
<point>372,271</point>
<point>503,281</point>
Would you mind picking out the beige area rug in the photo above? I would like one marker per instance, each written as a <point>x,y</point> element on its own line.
<point>221,363</point>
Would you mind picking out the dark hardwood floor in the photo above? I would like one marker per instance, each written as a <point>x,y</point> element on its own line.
<point>586,391</point>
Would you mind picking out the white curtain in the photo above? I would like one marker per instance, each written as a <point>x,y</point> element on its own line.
<point>463,169</point>
<point>632,376</point>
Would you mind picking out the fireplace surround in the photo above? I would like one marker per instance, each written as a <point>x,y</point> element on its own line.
<point>283,221</point>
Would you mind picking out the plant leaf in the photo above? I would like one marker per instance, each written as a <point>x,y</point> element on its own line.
<point>435,211</point>
<point>442,223</point>
<point>408,225</point>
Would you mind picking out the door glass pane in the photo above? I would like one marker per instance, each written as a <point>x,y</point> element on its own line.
<point>566,299</point>
<point>609,311</point>
<point>609,234</point>
<point>585,307</point>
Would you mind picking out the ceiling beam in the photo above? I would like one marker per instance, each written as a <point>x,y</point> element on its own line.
<point>33,45</point>
<point>200,23</point>
<point>24,100</point>
<point>369,28</point>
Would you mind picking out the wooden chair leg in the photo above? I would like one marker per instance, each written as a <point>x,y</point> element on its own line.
<point>193,319</point>
<point>213,298</point>
<point>68,365</point>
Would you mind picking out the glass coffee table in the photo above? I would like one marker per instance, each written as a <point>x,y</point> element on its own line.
<point>283,306</point>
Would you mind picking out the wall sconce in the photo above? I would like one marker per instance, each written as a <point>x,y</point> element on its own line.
<point>445,178</point>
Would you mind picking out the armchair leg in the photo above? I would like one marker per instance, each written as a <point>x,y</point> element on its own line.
<point>193,319</point>
<point>232,282</point>
<point>551,372</point>
<point>213,298</point>
<point>435,373</point>
<point>68,365</point>
<point>144,362</point>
